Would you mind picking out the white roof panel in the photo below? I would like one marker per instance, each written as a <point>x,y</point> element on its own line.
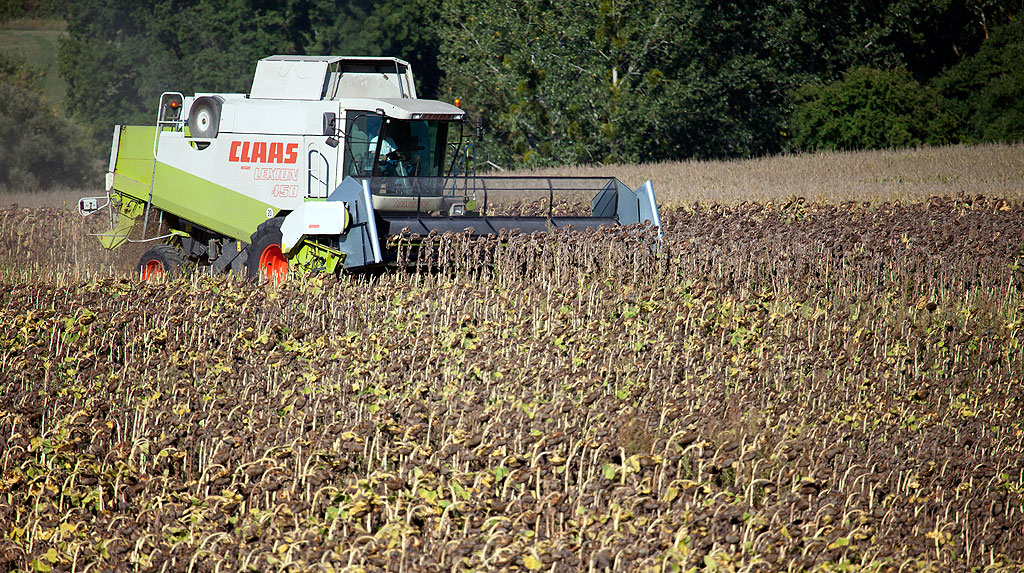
<point>289,79</point>
<point>331,77</point>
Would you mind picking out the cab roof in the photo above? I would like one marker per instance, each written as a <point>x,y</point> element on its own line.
<point>332,78</point>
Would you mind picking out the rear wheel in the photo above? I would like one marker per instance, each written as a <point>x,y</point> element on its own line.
<point>161,262</point>
<point>266,257</point>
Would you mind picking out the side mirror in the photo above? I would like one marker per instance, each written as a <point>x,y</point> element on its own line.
<point>331,128</point>
<point>330,124</point>
<point>479,129</point>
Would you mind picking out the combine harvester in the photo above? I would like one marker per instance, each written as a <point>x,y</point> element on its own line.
<point>315,169</point>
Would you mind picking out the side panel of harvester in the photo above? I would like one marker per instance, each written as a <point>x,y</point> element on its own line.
<point>186,182</point>
<point>227,187</point>
<point>231,183</point>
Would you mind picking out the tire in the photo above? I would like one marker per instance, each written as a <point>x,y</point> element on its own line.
<point>204,117</point>
<point>266,259</point>
<point>161,261</point>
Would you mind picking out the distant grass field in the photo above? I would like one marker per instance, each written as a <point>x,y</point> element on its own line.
<point>909,175</point>
<point>37,41</point>
<point>995,170</point>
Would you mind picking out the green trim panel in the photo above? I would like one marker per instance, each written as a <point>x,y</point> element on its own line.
<point>208,204</point>
<point>129,210</point>
<point>133,168</point>
<point>182,194</point>
<point>316,257</point>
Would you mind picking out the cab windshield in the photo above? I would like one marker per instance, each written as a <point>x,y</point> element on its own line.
<point>377,146</point>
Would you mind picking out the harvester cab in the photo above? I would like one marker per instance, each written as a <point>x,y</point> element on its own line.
<point>316,168</point>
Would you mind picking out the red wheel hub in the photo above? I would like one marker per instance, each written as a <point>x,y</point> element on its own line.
<point>153,270</point>
<point>273,264</point>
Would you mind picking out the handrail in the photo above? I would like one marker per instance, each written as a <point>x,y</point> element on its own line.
<point>325,183</point>
<point>179,124</point>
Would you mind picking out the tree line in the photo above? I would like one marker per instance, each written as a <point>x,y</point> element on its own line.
<point>594,81</point>
<point>566,81</point>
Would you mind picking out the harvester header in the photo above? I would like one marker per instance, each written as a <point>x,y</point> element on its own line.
<point>315,168</point>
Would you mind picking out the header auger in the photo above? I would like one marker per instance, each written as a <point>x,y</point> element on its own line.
<point>324,160</point>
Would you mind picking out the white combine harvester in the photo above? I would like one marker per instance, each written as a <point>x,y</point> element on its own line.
<point>324,160</point>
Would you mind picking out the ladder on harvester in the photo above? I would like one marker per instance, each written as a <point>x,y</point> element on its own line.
<point>464,162</point>
<point>168,115</point>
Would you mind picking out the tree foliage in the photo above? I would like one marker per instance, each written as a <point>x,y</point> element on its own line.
<point>825,38</point>
<point>15,69</point>
<point>39,149</point>
<point>986,90</point>
<point>119,56</point>
<point>568,81</point>
<point>13,9</point>
<point>869,108</point>
<point>565,81</point>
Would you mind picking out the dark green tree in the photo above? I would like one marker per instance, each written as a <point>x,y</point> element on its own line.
<point>15,70</point>
<point>409,29</point>
<point>986,90</point>
<point>824,38</point>
<point>869,109</point>
<point>12,9</point>
<point>39,149</point>
<point>568,81</point>
<point>565,81</point>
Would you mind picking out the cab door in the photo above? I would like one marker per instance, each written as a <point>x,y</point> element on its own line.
<point>360,143</point>
<point>322,159</point>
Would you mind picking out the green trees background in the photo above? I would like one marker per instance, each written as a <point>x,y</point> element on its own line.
<point>119,56</point>
<point>39,148</point>
<point>869,108</point>
<point>565,81</point>
<point>593,81</point>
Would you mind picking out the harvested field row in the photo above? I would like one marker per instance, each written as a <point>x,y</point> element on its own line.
<point>785,386</point>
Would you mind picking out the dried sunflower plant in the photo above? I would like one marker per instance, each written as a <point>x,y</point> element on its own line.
<point>786,385</point>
